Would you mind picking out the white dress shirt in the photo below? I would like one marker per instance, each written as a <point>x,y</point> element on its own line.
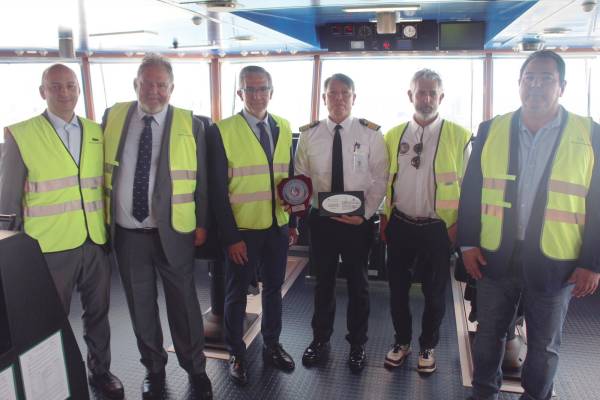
<point>366,165</point>
<point>69,133</point>
<point>124,196</point>
<point>414,189</point>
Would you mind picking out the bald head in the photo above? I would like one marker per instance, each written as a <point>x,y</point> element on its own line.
<point>60,89</point>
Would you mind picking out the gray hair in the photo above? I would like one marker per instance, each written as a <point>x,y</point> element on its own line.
<point>345,79</point>
<point>156,60</point>
<point>254,69</point>
<point>426,74</point>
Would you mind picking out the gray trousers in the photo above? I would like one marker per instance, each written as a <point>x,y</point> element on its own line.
<point>140,256</point>
<point>86,268</point>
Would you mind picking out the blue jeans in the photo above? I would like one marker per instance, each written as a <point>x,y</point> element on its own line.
<point>497,300</point>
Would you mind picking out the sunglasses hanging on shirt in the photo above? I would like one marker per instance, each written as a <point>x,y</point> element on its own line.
<point>418,148</point>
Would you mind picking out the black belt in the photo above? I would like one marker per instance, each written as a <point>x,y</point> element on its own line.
<point>140,230</point>
<point>414,220</point>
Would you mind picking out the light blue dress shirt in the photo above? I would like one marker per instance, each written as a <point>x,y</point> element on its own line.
<point>69,133</point>
<point>253,122</point>
<point>534,156</point>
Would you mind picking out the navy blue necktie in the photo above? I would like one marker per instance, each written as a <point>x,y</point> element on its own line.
<point>264,140</point>
<point>337,162</point>
<point>142,172</point>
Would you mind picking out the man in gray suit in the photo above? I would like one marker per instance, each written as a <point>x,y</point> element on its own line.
<point>155,178</point>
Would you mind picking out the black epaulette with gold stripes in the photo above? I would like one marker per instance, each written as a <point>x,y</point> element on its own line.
<point>369,124</point>
<point>309,126</point>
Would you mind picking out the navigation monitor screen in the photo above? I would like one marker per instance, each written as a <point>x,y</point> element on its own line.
<point>462,35</point>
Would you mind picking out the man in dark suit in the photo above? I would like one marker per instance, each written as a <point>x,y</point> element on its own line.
<point>155,178</point>
<point>250,153</point>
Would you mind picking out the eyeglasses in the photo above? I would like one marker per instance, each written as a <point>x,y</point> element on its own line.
<point>343,95</point>
<point>258,90</point>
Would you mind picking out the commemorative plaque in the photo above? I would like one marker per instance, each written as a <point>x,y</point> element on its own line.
<point>334,204</point>
<point>296,193</point>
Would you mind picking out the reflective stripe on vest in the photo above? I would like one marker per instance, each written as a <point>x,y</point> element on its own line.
<point>494,168</point>
<point>62,203</point>
<point>448,168</point>
<point>182,163</point>
<point>567,187</point>
<point>249,179</point>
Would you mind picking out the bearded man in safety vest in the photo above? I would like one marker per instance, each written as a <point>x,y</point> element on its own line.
<point>250,153</point>
<point>529,225</point>
<point>155,186</point>
<point>427,158</point>
<point>52,181</point>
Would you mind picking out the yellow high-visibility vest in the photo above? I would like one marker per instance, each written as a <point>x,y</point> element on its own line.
<point>567,188</point>
<point>62,202</point>
<point>249,180</point>
<point>183,163</point>
<point>448,168</point>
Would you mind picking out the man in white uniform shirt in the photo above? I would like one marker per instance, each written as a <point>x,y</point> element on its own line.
<point>427,158</point>
<point>365,168</point>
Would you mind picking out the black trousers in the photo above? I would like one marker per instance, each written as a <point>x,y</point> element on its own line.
<point>430,242</point>
<point>329,240</point>
<point>141,258</point>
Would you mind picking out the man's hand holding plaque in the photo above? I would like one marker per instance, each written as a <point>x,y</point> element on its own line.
<point>295,192</point>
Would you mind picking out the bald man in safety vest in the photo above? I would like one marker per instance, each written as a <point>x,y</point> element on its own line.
<point>51,179</point>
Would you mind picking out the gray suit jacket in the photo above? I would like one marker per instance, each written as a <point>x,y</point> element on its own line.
<point>13,174</point>
<point>179,248</point>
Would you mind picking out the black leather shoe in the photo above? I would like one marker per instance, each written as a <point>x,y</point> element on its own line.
<point>358,358</point>
<point>276,356</point>
<point>153,385</point>
<point>315,352</point>
<point>201,387</point>
<point>237,370</point>
<point>108,384</point>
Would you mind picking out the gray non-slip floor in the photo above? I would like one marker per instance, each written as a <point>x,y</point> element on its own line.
<point>577,377</point>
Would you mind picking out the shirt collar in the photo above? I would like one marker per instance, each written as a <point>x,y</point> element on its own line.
<point>434,126</point>
<point>345,124</point>
<point>553,124</point>
<point>159,117</point>
<point>252,120</point>
<point>59,122</point>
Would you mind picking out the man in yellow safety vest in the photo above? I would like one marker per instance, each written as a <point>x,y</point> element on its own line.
<point>52,181</point>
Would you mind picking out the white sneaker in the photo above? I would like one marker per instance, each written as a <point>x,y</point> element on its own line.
<point>395,357</point>
<point>426,361</point>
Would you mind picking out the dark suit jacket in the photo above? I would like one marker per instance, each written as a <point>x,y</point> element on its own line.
<point>219,181</point>
<point>179,248</point>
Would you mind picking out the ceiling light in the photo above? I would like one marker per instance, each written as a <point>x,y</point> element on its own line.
<point>531,44</point>
<point>555,31</point>
<point>401,20</point>
<point>408,7</point>
<point>243,38</point>
<point>588,5</point>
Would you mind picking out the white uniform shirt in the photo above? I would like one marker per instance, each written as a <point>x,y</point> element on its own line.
<point>366,164</point>
<point>414,189</point>
<point>124,197</point>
